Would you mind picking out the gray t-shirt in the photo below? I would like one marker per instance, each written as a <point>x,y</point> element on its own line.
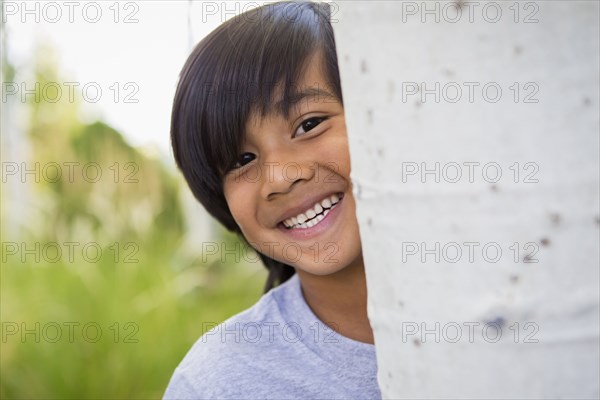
<point>277,349</point>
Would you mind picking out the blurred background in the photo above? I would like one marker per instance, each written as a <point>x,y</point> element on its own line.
<point>110,269</point>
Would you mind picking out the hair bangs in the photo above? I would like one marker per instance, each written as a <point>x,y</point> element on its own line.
<point>258,72</point>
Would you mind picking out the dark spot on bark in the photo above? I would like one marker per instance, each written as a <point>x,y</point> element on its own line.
<point>555,218</point>
<point>518,50</point>
<point>514,278</point>
<point>587,101</point>
<point>448,72</point>
<point>545,241</point>
<point>498,321</point>
<point>417,342</point>
<point>391,87</point>
<point>363,66</point>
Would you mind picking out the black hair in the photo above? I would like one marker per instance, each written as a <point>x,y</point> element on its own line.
<point>233,72</point>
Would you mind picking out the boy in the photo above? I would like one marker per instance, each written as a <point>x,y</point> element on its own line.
<point>258,131</point>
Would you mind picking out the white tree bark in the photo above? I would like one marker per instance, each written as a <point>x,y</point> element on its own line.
<point>544,57</point>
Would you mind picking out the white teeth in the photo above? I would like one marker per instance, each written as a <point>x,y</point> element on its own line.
<point>302,218</point>
<point>312,216</point>
<point>318,209</point>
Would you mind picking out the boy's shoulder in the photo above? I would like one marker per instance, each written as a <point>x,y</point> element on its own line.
<point>235,354</point>
<point>276,349</point>
<point>235,334</point>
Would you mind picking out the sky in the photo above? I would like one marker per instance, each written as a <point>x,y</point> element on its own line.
<point>126,55</point>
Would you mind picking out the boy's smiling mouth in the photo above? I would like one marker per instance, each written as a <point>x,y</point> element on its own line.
<point>315,214</point>
<point>310,212</point>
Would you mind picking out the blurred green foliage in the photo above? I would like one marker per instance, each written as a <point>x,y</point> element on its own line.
<point>149,294</point>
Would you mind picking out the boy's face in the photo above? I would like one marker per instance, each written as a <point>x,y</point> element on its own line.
<point>286,167</point>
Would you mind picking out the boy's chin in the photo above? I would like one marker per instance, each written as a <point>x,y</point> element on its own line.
<point>320,270</point>
<point>332,266</point>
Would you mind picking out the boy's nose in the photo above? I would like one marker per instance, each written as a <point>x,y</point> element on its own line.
<point>279,176</point>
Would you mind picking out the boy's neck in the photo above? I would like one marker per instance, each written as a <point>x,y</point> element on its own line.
<point>340,300</point>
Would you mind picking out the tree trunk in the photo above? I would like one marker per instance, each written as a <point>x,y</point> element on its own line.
<point>474,136</point>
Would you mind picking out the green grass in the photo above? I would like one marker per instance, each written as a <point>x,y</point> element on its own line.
<point>150,313</point>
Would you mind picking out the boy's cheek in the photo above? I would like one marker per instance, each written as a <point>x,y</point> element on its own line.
<point>238,210</point>
<point>338,154</point>
<point>234,190</point>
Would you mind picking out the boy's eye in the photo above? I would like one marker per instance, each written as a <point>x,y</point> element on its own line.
<point>243,160</point>
<point>308,124</point>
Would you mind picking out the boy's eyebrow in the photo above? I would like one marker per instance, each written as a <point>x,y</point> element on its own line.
<point>296,97</point>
